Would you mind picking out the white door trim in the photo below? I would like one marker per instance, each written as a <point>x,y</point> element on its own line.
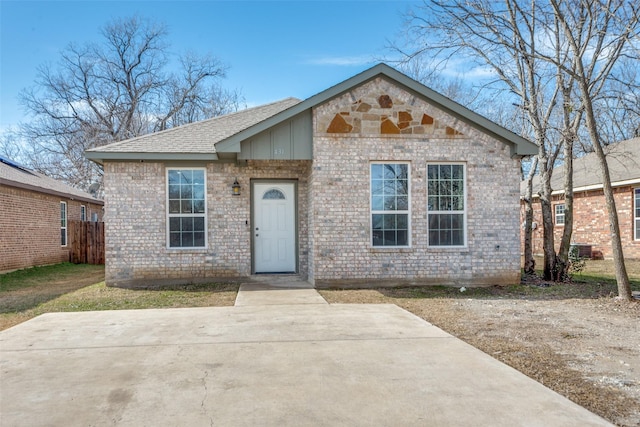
<point>274,230</point>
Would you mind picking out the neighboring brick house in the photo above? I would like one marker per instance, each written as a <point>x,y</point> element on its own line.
<point>590,215</point>
<point>375,181</point>
<point>34,215</point>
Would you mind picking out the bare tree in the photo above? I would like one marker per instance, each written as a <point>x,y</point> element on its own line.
<point>11,146</point>
<point>599,34</point>
<point>115,90</point>
<point>620,103</point>
<point>503,37</point>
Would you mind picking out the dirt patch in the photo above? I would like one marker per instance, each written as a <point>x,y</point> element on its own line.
<point>585,349</point>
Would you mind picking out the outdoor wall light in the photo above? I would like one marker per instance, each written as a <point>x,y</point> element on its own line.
<point>235,188</point>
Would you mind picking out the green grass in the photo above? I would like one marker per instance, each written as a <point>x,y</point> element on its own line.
<point>100,297</point>
<point>66,287</point>
<point>39,276</point>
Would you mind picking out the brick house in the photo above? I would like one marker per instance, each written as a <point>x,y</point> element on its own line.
<point>590,217</point>
<point>375,181</point>
<point>34,215</point>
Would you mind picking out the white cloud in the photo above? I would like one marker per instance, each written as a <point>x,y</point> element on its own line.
<point>348,61</point>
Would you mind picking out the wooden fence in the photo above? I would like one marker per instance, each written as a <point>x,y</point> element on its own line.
<point>87,242</point>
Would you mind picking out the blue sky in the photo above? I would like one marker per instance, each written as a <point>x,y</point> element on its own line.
<point>275,49</point>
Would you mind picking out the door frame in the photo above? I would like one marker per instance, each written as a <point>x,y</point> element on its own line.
<point>252,221</point>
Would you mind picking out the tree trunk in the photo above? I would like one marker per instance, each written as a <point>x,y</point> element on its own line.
<point>529,261</point>
<point>624,287</point>
<point>562,261</point>
<point>622,278</point>
<point>547,224</point>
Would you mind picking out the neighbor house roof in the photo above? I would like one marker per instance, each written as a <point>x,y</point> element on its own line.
<point>202,140</point>
<point>14,175</point>
<point>623,159</point>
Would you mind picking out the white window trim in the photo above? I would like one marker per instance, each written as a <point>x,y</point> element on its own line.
<point>83,213</point>
<point>66,223</point>
<point>464,211</point>
<point>636,219</point>
<point>204,215</point>
<point>556,214</point>
<point>407,212</point>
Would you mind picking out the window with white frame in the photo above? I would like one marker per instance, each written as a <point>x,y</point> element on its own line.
<point>390,204</point>
<point>94,216</point>
<point>446,204</point>
<point>63,223</point>
<point>83,213</point>
<point>186,208</point>
<point>559,214</point>
<point>636,210</point>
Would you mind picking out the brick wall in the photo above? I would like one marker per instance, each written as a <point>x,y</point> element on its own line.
<point>591,223</point>
<point>135,232</point>
<point>380,122</point>
<point>30,227</point>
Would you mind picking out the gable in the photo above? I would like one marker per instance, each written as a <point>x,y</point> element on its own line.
<point>288,140</point>
<point>381,108</point>
<point>402,89</point>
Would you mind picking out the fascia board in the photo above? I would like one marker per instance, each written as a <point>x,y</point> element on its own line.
<point>101,156</point>
<point>599,186</point>
<point>593,187</point>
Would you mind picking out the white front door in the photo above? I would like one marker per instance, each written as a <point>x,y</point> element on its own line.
<point>274,227</point>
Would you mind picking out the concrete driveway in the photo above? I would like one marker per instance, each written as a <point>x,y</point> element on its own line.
<point>265,362</point>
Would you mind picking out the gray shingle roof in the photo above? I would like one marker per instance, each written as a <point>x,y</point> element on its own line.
<point>17,176</point>
<point>198,137</point>
<point>623,159</point>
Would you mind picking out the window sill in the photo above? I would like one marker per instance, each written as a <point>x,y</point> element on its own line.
<point>397,249</point>
<point>459,249</point>
<point>189,250</point>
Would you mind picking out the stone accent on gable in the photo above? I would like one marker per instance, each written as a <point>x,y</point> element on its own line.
<point>381,108</point>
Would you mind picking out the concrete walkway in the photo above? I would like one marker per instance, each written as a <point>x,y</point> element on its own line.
<point>277,290</point>
<point>268,361</point>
